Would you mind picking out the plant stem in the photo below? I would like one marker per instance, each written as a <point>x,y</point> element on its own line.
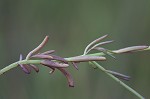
<point>119,81</point>
<point>13,65</point>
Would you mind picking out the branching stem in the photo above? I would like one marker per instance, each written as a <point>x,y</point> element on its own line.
<point>13,65</point>
<point>92,58</point>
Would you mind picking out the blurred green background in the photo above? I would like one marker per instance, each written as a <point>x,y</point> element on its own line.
<point>71,25</point>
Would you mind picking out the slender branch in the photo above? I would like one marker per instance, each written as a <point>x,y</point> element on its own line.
<point>117,80</point>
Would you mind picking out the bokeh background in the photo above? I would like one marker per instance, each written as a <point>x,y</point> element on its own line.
<point>71,25</point>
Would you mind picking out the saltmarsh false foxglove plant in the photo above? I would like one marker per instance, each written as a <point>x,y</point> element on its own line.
<point>52,61</point>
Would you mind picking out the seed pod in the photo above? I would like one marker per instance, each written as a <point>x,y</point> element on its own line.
<point>68,76</point>
<point>25,68</point>
<point>34,67</point>
<point>53,64</point>
<point>58,58</point>
<point>131,49</point>
<point>87,58</point>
